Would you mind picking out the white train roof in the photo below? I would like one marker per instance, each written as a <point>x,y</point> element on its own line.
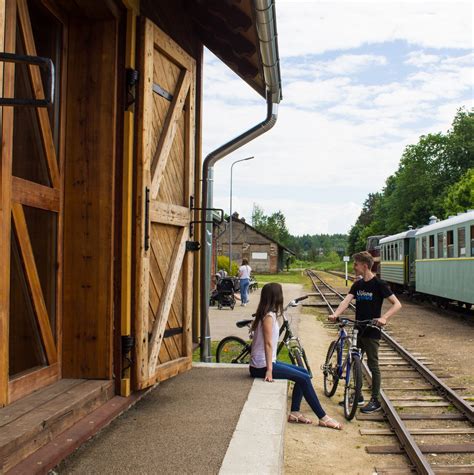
<point>446,223</point>
<point>395,237</point>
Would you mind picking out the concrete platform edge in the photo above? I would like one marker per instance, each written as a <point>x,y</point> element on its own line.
<point>257,445</point>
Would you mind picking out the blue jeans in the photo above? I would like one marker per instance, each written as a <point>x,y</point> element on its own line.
<point>244,290</point>
<point>303,385</point>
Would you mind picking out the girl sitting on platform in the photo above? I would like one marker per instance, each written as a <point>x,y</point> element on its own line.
<point>263,362</point>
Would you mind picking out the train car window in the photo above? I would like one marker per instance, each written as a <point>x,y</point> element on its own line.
<point>432,254</point>
<point>440,254</point>
<point>418,248</point>
<point>450,239</point>
<point>461,242</point>
<point>472,240</point>
<point>391,252</point>
<point>395,257</point>
<point>423,247</point>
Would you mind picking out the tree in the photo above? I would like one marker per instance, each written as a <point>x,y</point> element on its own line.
<point>460,196</point>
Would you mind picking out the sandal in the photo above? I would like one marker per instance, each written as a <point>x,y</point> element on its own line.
<point>331,423</point>
<point>299,419</point>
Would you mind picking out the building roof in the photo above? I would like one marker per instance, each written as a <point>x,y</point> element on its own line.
<point>405,234</point>
<point>445,223</point>
<point>237,220</point>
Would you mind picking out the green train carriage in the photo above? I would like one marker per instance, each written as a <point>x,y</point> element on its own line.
<point>445,259</point>
<point>397,256</point>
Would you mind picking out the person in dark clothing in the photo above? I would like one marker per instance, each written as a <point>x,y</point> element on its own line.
<point>369,292</point>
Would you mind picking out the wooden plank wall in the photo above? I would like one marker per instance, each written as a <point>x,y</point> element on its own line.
<point>89,199</point>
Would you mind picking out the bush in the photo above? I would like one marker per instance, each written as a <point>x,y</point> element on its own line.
<point>223,263</point>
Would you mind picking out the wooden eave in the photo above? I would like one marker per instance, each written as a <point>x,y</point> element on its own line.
<point>225,27</point>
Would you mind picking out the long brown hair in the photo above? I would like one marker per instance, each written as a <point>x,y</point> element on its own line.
<point>271,300</point>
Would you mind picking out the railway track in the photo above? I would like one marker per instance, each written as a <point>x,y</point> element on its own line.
<point>433,423</point>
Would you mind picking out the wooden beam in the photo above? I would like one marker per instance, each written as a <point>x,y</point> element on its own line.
<point>127,193</point>
<point>167,213</point>
<point>38,92</point>
<point>188,265</point>
<point>33,194</point>
<point>167,370</point>
<point>34,284</point>
<point>171,49</point>
<point>7,41</point>
<point>31,381</point>
<point>168,133</point>
<point>142,256</point>
<point>166,299</point>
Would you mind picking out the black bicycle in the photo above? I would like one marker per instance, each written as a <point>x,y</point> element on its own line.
<point>344,361</point>
<point>233,349</point>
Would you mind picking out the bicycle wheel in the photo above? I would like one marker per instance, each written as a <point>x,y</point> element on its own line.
<point>330,370</point>
<point>233,349</point>
<point>353,389</point>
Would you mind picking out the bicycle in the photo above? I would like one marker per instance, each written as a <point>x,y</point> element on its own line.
<point>233,349</point>
<point>334,366</point>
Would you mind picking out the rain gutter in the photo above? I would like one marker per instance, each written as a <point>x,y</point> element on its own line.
<point>268,46</point>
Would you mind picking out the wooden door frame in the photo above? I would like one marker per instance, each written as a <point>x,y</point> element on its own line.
<point>21,192</point>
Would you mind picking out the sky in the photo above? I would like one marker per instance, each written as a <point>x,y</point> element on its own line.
<point>360,81</point>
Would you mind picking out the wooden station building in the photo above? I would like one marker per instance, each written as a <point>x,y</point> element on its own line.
<point>264,254</point>
<point>99,191</point>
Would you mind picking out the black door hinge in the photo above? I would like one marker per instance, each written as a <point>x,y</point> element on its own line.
<point>147,218</point>
<point>193,245</point>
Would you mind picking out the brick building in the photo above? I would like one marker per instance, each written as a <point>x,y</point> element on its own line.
<point>265,255</point>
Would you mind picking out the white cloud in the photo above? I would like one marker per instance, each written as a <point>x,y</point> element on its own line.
<point>420,59</point>
<point>313,27</point>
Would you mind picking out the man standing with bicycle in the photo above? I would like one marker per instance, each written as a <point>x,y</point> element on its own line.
<point>369,292</point>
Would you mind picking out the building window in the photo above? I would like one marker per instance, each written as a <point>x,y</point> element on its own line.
<point>450,239</point>
<point>440,254</point>
<point>423,247</point>
<point>432,254</point>
<point>461,242</point>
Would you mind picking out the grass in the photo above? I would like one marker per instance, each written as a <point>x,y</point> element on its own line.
<point>294,276</point>
<point>283,356</point>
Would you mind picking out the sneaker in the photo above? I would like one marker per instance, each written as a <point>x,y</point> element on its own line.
<point>360,403</point>
<point>372,406</point>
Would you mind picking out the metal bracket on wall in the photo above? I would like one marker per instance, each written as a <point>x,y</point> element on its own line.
<point>44,63</point>
<point>219,221</point>
<point>131,80</point>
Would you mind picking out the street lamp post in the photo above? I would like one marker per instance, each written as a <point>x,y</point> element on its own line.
<point>230,210</point>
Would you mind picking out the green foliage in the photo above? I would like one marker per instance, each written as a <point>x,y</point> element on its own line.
<point>460,196</point>
<point>273,226</point>
<point>433,177</point>
<point>306,246</point>
<point>223,263</point>
<point>294,276</point>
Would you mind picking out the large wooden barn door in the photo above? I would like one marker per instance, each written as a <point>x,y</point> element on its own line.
<point>32,187</point>
<point>165,182</point>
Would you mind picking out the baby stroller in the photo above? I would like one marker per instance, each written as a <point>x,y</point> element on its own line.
<point>225,293</point>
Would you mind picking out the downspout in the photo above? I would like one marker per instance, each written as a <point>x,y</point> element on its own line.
<point>266,29</point>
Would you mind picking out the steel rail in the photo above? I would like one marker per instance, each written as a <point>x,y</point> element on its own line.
<point>442,389</point>
<point>321,294</point>
<point>406,440</point>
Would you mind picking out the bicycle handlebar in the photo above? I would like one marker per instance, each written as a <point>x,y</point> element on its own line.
<point>299,299</point>
<point>366,323</point>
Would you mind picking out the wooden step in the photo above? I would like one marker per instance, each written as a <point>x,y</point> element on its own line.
<point>31,422</point>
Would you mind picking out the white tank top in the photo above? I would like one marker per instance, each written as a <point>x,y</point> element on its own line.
<point>257,359</point>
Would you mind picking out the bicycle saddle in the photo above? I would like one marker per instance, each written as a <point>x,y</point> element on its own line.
<point>243,323</point>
